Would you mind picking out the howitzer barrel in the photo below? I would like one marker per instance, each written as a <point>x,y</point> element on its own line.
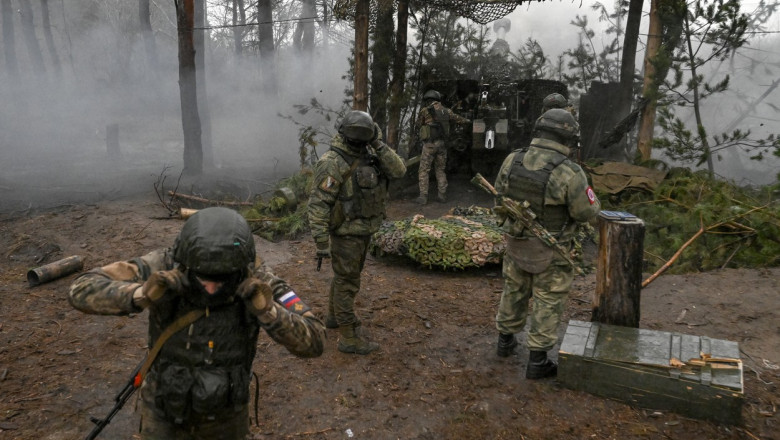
<point>54,270</point>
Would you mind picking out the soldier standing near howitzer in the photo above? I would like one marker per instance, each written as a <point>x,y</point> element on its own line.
<point>558,192</point>
<point>556,100</point>
<point>433,122</point>
<point>207,300</point>
<point>347,205</point>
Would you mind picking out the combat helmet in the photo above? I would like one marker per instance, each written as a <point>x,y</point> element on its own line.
<point>357,126</point>
<point>554,100</point>
<point>559,122</point>
<point>215,241</point>
<point>432,95</point>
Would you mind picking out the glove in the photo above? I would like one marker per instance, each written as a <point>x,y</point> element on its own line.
<point>323,249</point>
<point>257,295</point>
<point>157,285</point>
<point>377,134</point>
<point>501,214</point>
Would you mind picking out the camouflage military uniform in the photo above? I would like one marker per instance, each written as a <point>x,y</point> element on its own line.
<point>108,290</point>
<point>547,279</point>
<point>433,122</point>
<point>347,205</point>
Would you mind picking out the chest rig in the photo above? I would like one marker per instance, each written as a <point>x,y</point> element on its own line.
<point>524,184</point>
<point>363,192</point>
<point>203,371</point>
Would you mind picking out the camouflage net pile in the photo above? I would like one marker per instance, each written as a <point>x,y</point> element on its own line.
<point>482,12</point>
<point>465,237</point>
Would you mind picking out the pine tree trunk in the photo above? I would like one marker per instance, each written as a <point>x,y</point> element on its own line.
<point>30,39</point>
<point>193,150</point>
<point>199,39</point>
<point>360,100</point>
<point>382,52</point>
<point>647,123</point>
<point>9,42</point>
<point>265,37</point>
<point>145,20</point>
<point>399,76</point>
<point>239,21</point>
<point>55,59</point>
<point>628,61</point>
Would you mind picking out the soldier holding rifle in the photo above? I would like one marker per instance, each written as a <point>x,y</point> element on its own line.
<point>557,192</point>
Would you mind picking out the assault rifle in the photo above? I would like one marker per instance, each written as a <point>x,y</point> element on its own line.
<point>521,212</point>
<point>120,400</point>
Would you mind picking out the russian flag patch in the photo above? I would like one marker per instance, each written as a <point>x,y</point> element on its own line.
<point>289,299</point>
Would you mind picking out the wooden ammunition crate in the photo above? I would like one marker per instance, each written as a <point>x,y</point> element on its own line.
<point>694,376</point>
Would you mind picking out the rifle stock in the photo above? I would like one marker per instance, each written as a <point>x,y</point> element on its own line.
<point>521,212</point>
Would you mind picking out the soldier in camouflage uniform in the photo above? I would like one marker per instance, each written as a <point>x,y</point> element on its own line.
<point>433,122</point>
<point>558,192</point>
<point>210,284</point>
<point>347,205</point>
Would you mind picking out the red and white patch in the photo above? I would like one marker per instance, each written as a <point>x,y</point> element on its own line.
<point>591,195</point>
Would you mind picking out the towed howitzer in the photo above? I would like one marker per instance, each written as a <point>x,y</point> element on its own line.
<point>521,212</point>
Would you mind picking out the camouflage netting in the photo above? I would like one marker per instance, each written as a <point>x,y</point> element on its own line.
<point>482,12</point>
<point>465,237</point>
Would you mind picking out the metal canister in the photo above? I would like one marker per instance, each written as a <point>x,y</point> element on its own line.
<point>55,270</point>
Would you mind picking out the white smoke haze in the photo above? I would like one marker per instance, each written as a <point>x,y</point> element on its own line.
<point>53,128</point>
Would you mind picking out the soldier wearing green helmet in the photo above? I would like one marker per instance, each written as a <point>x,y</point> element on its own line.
<point>558,192</point>
<point>346,206</point>
<point>211,283</point>
<point>433,122</point>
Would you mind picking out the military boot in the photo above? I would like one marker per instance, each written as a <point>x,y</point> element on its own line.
<point>422,200</point>
<point>539,366</point>
<point>506,345</point>
<point>442,198</point>
<point>351,342</point>
<point>330,322</point>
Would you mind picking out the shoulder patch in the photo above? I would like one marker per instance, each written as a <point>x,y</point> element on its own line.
<point>591,195</point>
<point>328,184</point>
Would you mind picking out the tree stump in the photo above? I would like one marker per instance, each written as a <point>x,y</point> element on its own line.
<point>619,269</point>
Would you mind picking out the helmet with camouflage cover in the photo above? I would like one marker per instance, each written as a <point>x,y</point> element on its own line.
<point>554,100</point>
<point>215,241</point>
<point>357,126</point>
<point>432,95</point>
<point>559,122</point>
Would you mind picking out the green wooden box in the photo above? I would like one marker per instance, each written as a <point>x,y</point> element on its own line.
<point>694,376</point>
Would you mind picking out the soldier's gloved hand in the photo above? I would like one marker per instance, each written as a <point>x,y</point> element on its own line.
<point>500,212</point>
<point>323,249</point>
<point>158,285</point>
<point>257,295</point>
<point>377,139</point>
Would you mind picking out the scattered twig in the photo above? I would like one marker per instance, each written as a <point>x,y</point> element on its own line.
<point>674,257</point>
<point>208,201</point>
<point>306,433</point>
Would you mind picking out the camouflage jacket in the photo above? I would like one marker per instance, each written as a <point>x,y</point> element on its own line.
<point>568,185</point>
<point>333,184</point>
<point>108,290</point>
<point>426,117</point>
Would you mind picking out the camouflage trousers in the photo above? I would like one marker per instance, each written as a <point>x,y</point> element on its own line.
<point>156,427</point>
<point>348,256</point>
<point>550,291</point>
<point>433,154</point>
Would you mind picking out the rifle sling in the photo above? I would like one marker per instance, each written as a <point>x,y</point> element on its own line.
<point>177,325</point>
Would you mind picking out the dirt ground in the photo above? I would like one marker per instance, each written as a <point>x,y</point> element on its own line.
<point>436,376</point>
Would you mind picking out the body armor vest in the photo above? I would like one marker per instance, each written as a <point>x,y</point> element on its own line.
<point>369,188</point>
<point>203,370</point>
<point>524,184</point>
<point>440,126</point>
